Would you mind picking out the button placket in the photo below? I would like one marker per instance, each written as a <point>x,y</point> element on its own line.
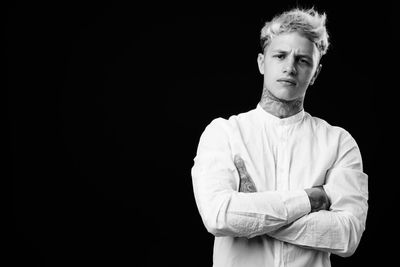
<point>283,159</point>
<point>278,159</point>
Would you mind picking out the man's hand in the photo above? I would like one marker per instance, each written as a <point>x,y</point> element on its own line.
<point>318,198</point>
<point>246,183</point>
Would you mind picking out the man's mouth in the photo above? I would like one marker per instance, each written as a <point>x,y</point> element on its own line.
<point>287,81</point>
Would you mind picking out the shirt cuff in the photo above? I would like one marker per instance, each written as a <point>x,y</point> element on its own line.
<point>297,204</point>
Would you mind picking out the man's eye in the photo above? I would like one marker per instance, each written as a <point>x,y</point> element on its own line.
<point>304,61</point>
<point>279,56</point>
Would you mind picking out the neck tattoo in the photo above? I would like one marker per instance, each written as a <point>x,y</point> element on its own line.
<point>279,107</point>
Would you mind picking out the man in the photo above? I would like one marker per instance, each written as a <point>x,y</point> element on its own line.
<point>276,186</point>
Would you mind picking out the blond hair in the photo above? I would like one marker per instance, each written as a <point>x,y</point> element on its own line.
<point>307,22</point>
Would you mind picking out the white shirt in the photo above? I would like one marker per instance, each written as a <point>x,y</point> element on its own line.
<point>274,226</point>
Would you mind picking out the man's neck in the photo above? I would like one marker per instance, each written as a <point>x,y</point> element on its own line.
<point>279,107</point>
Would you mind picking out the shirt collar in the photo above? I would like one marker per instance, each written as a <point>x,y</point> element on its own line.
<point>265,116</point>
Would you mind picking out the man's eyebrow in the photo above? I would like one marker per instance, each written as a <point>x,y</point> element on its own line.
<point>279,51</point>
<point>305,56</point>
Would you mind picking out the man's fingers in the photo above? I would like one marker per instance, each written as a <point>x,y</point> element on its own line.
<point>318,198</point>
<point>239,163</point>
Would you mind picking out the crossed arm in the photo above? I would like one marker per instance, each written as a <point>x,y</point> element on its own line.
<point>335,232</point>
<point>317,196</point>
<point>321,229</point>
<point>329,217</point>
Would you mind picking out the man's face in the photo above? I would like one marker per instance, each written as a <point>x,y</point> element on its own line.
<point>289,64</point>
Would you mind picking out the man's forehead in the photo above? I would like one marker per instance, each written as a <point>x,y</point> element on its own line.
<point>292,41</point>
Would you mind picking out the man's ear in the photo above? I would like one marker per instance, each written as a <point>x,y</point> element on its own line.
<point>260,61</point>
<point>317,71</point>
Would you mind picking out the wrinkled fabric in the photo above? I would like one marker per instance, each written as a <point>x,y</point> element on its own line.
<point>274,226</point>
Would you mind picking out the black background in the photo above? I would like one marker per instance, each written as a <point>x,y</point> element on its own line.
<point>106,105</point>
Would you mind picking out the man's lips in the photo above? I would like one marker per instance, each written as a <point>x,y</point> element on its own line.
<point>287,80</point>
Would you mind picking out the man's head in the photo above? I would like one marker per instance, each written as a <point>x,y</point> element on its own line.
<point>293,44</point>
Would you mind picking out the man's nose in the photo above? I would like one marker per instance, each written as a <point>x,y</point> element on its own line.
<point>290,67</point>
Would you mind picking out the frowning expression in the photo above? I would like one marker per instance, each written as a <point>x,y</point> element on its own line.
<point>290,63</point>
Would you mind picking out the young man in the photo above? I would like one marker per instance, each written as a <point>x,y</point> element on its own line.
<point>276,186</point>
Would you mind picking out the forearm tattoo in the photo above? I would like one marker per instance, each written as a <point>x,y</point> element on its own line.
<point>246,184</point>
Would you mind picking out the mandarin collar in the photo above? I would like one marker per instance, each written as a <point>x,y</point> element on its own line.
<point>269,118</point>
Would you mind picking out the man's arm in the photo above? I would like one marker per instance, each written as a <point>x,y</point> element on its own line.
<point>338,230</point>
<point>224,210</point>
<point>316,195</point>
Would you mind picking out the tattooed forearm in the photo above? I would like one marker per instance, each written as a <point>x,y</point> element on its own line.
<point>246,184</point>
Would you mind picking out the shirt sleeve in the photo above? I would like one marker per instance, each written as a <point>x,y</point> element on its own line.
<point>224,210</point>
<point>338,230</point>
